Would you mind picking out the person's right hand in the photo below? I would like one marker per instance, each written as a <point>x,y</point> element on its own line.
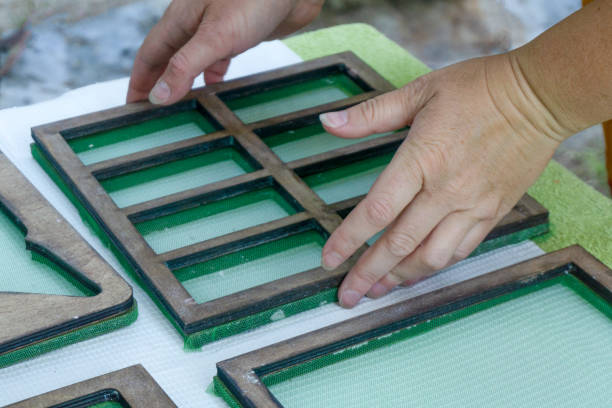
<point>196,36</point>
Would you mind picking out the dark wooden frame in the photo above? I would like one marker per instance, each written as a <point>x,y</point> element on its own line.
<point>242,375</point>
<point>27,319</point>
<point>132,387</point>
<point>312,212</point>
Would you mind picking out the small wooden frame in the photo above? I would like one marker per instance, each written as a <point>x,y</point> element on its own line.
<point>241,375</point>
<point>29,319</point>
<point>311,212</point>
<point>131,387</point>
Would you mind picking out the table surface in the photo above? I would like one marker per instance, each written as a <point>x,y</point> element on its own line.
<point>579,214</point>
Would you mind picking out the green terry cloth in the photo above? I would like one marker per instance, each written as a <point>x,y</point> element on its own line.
<point>578,213</point>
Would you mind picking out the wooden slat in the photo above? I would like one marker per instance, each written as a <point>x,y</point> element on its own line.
<point>152,157</point>
<point>179,257</point>
<point>189,198</point>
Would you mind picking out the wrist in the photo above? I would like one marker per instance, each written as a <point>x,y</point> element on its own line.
<point>513,94</point>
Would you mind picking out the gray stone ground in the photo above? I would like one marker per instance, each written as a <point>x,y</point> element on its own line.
<point>63,54</point>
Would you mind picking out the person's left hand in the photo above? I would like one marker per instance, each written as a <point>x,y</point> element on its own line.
<point>479,138</point>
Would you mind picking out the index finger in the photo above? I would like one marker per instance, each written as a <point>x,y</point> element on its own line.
<point>394,188</point>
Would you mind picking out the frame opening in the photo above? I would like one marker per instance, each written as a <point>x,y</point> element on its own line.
<point>128,134</point>
<point>293,93</point>
<point>214,218</point>
<point>30,269</point>
<point>205,165</point>
<point>252,266</point>
<point>339,181</point>
<point>295,141</point>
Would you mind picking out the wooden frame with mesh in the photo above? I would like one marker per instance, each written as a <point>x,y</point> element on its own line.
<point>311,212</point>
<point>239,379</point>
<point>129,387</point>
<point>30,320</point>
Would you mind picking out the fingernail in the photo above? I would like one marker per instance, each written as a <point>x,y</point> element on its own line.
<point>160,93</point>
<point>377,290</point>
<point>334,119</point>
<point>349,298</point>
<point>331,261</point>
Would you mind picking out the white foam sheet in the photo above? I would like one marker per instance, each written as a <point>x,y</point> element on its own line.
<point>152,340</point>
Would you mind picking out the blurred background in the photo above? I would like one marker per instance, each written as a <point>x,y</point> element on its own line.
<point>48,47</point>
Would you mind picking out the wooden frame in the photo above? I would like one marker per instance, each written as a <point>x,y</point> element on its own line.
<point>131,387</point>
<point>28,319</point>
<point>242,375</point>
<point>311,212</point>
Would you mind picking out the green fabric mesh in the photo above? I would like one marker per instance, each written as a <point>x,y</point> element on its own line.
<point>347,181</point>
<point>252,267</point>
<point>176,176</point>
<point>197,340</point>
<point>134,138</point>
<point>549,345</point>
<point>308,141</point>
<point>214,219</point>
<point>291,98</point>
<point>75,336</point>
<point>30,272</point>
<point>110,404</point>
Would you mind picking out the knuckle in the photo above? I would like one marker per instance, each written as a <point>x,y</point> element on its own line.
<point>366,275</point>
<point>434,260</point>
<point>489,209</point>
<point>436,155</point>
<point>179,64</point>
<point>368,110</point>
<point>416,86</point>
<point>401,243</point>
<point>461,253</point>
<point>379,211</point>
<point>344,243</point>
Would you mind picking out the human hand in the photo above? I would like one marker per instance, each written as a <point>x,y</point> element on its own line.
<point>196,36</point>
<point>479,138</point>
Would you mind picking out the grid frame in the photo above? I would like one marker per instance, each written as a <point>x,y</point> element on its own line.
<point>241,377</point>
<point>47,316</point>
<point>270,171</point>
<point>132,386</point>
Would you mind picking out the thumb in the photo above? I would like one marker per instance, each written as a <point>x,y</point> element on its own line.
<point>390,111</point>
<point>198,54</point>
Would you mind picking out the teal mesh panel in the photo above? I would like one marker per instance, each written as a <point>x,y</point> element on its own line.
<point>134,138</point>
<point>308,141</point>
<point>109,404</point>
<point>214,219</point>
<point>28,272</point>
<point>291,98</point>
<point>176,176</point>
<point>348,181</point>
<point>252,267</point>
<point>544,347</point>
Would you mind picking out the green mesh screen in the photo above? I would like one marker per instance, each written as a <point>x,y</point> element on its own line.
<point>252,267</point>
<point>549,345</point>
<point>134,138</point>
<point>109,404</point>
<point>291,98</point>
<point>348,181</point>
<point>74,336</point>
<point>176,176</point>
<point>308,141</point>
<point>29,272</point>
<point>214,219</point>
